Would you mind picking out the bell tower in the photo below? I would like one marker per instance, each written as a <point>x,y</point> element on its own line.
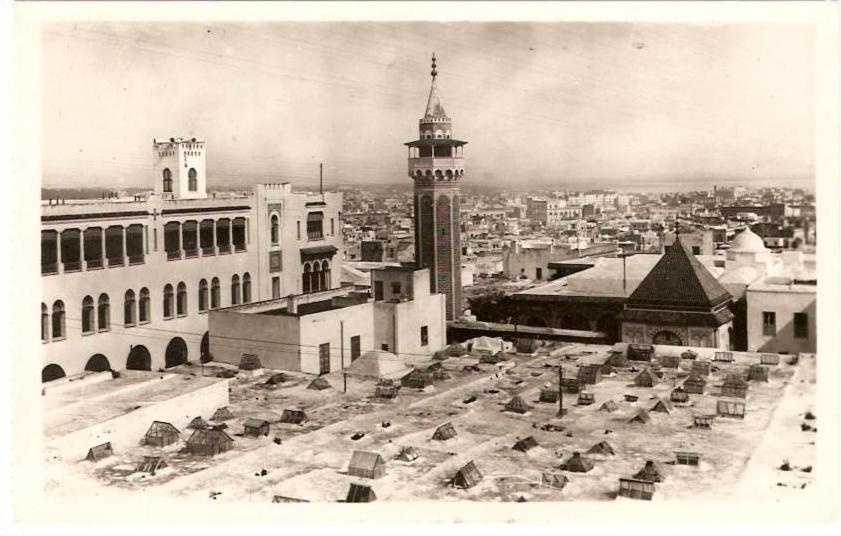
<point>436,165</point>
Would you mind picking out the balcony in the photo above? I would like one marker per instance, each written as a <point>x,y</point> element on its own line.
<point>173,255</point>
<point>136,259</point>
<point>93,264</point>
<point>206,251</point>
<point>49,269</point>
<point>191,253</point>
<point>224,249</point>
<point>239,247</point>
<point>116,261</point>
<point>432,163</point>
<point>72,266</point>
<point>315,235</point>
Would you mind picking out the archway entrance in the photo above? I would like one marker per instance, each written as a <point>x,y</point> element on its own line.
<point>176,353</point>
<point>204,348</point>
<point>139,359</point>
<point>668,338</point>
<point>608,325</point>
<point>98,363</point>
<point>51,372</point>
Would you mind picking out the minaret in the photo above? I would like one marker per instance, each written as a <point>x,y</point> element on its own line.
<point>436,165</point>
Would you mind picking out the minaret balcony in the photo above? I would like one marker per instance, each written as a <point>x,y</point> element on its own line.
<point>443,163</point>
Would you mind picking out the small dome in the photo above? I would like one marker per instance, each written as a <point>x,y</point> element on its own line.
<point>743,275</point>
<point>747,241</point>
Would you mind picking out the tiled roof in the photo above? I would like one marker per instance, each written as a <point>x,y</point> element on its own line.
<point>679,280</point>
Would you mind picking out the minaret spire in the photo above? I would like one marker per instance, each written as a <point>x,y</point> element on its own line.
<point>433,105</point>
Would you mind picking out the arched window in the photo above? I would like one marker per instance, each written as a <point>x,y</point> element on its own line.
<point>246,287</point>
<point>167,174</point>
<point>45,323</point>
<point>215,296</point>
<point>192,181</point>
<point>168,301</point>
<point>316,277</point>
<point>58,320</point>
<point>235,291</point>
<point>203,295</point>
<point>128,309</point>
<point>145,313</point>
<point>325,275</point>
<point>103,311</point>
<point>181,300</point>
<point>307,276</point>
<point>88,325</point>
<point>275,230</point>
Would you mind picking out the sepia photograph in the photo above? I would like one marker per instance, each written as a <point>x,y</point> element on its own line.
<point>538,263</point>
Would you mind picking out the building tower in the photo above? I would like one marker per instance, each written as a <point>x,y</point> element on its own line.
<point>179,165</point>
<point>436,165</point>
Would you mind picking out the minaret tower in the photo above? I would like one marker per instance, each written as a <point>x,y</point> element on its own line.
<point>436,165</point>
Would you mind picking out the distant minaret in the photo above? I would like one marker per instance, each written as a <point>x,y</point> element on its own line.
<point>436,164</point>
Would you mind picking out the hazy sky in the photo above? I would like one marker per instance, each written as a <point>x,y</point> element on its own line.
<point>560,103</point>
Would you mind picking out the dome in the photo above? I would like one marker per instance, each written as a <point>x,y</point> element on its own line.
<point>743,275</point>
<point>747,241</point>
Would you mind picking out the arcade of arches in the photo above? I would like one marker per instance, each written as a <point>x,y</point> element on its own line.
<point>578,316</point>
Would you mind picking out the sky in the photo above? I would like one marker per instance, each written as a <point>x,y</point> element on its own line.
<point>562,105</point>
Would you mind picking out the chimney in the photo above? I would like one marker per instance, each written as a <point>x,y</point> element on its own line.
<point>291,305</point>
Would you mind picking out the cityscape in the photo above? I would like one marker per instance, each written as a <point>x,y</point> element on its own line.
<point>359,328</point>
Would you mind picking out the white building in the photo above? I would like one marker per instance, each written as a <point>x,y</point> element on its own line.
<point>322,332</point>
<point>128,284</point>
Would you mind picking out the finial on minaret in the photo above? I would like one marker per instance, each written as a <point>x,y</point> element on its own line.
<point>434,72</point>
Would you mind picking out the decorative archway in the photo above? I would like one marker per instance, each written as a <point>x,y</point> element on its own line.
<point>139,359</point>
<point>51,372</point>
<point>204,348</point>
<point>176,353</point>
<point>98,363</point>
<point>667,337</point>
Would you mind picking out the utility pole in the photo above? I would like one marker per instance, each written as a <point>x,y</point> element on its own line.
<point>560,387</point>
<point>321,179</point>
<point>342,353</point>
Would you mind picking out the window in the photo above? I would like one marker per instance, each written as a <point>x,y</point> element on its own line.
<point>378,290</point>
<point>325,275</point>
<point>215,295</point>
<point>114,245</point>
<point>298,228</point>
<point>395,287</point>
<point>172,240</point>
<point>190,238</point>
<point>355,347</point>
<point>71,245</point>
<point>134,243</point>
<point>769,323</point>
<point>276,287</point>
<point>424,335</point>
<point>203,295</point>
<point>58,320</point>
<point>181,300</point>
<point>324,358</point>
<point>128,308</point>
<point>223,235</point>
<point>315,226</point>
<point>801,325</point>
<point>696,250</point>
<point>246,287</point>
<point>168,297</point>
<point>315,280</point>
<point>384,347</point>
<point>332,227</point>
<point>45,323</point>
<point>49,252</point>
<point>235,295</point>
<point>206,237</point>
<point>167,175</point>
<point>103,310</point>
<point>88,323</point>
<point>538,273</point>
<point>93,247</point>
<point>144,312</point>
<point>238,234</point>
<point>307,275</point>
<point>275,261</point>
<point>192,181</point>
<point>275,229</point>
